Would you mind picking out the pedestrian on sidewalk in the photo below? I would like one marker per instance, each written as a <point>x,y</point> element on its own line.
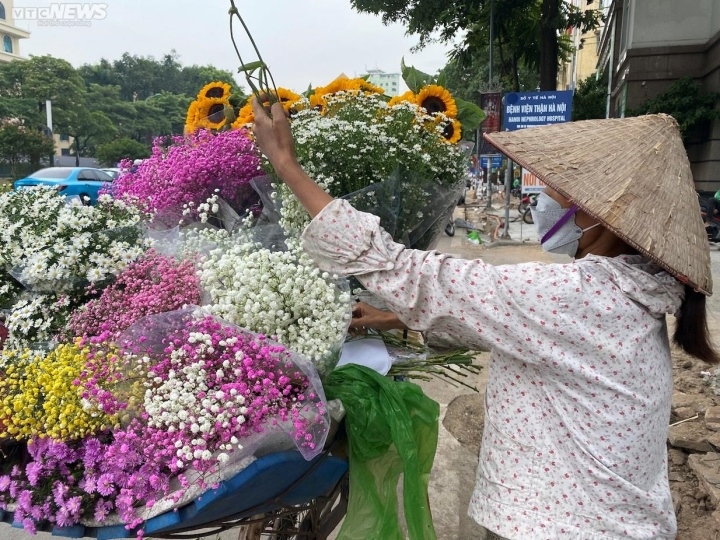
<point>580,382</point>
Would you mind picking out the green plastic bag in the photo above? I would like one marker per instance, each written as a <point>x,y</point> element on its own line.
<point>392,428</point>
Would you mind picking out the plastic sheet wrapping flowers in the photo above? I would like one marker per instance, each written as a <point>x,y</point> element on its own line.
<point>120,430</point>
<point>52,248</point>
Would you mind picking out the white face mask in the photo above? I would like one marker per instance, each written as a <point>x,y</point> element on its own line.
<point>556,225</point>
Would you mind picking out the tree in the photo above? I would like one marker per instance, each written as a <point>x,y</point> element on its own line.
<point>88,130</point>
<point>140,77</point>
<point>22,147</point>
<point>531,30</point>
<point>110,154</point>
<point>685,101</point>
<point>589,101</point>
<point>39,79</point>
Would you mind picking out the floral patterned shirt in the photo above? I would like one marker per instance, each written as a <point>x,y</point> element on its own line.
<point>580,382</point>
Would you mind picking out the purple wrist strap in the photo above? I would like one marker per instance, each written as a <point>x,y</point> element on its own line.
<point>560,222</point>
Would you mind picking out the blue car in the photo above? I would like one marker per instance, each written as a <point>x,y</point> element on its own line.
<point>83,182</point>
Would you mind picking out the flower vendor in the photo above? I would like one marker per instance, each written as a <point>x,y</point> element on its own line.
<point>580,383</point>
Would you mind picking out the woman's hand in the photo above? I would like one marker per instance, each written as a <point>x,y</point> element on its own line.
<point>273,135</point>
<point>275,140</point>
<point>365,316</point>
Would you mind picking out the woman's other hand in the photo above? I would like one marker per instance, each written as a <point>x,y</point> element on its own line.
<point>365,316</point>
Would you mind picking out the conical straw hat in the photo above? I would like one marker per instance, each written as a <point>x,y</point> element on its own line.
<point>633,175</point>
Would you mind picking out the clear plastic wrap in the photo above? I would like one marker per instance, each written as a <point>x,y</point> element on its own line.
<point>411,209</point>
<point>229,357</point>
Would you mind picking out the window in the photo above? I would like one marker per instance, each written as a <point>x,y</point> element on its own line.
<point>86,175</point>
<point>2,11</point>
<point>625,30</point>
<point>64,137</point>
<point>103,176</point>
<point>52,172</point>
<point>7,44</point>
<point>64,151</point>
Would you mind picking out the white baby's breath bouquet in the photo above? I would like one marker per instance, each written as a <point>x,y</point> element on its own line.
<point>272,289</point>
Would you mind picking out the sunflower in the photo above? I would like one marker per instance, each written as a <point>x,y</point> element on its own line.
<point>318,102</point>
<point>407,97</point>
<point>288,98</point>
<point>214,90</point>
<point>191,118</point>
<point>245,116</point>
<point>451,130</point>
<point>345,84</point>
<point>435,99</point>
<point>367,86</point>
<point>211,113</point>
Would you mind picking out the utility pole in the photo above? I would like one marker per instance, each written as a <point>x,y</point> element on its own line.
<point>49,124</point>
<point>486,172</point>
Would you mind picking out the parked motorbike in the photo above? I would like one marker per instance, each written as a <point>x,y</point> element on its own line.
<point>450,227</point>
<point>524,207</point>
<point>710,219</point>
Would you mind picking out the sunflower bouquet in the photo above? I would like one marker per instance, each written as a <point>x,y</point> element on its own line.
<point>398,158</point>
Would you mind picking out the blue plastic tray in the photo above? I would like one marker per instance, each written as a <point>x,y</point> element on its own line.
<point>254,490</point>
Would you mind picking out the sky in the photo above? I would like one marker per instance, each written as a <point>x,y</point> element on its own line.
<point>306,42</point>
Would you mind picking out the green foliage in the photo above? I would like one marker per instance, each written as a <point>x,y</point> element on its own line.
<point>517,24</point>
<point>414,78</point>
<point>22,148</point>
<point>589,101</point>
<point>134,97</point>
<point>140,77</point>
<point>685,102</point>
<point>110,154</point>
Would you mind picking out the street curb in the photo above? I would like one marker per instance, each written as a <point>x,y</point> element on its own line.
<point>500,243</point>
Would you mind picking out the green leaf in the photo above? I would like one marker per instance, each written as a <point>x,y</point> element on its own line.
<point>414,78</point>
<point>469,114</point>
<point>442,79</point>
<point>251,66</point>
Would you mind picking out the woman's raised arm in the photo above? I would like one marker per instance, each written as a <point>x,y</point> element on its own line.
<point>275,140</point>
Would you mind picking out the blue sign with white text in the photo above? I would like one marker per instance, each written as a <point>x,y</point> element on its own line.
<point>491,161</point>
<point>530,109</point>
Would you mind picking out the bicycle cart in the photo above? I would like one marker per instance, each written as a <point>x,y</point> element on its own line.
<point>278,496</point>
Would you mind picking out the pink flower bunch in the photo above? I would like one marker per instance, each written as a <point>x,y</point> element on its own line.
<point>215,384</point>
<point>187,172</point>
<point>153,284</point>
<point>212,389</point>
<point>66,482</point>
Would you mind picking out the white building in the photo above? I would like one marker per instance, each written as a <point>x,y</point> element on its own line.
<point>390,82</point>
<point>10,35</point>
